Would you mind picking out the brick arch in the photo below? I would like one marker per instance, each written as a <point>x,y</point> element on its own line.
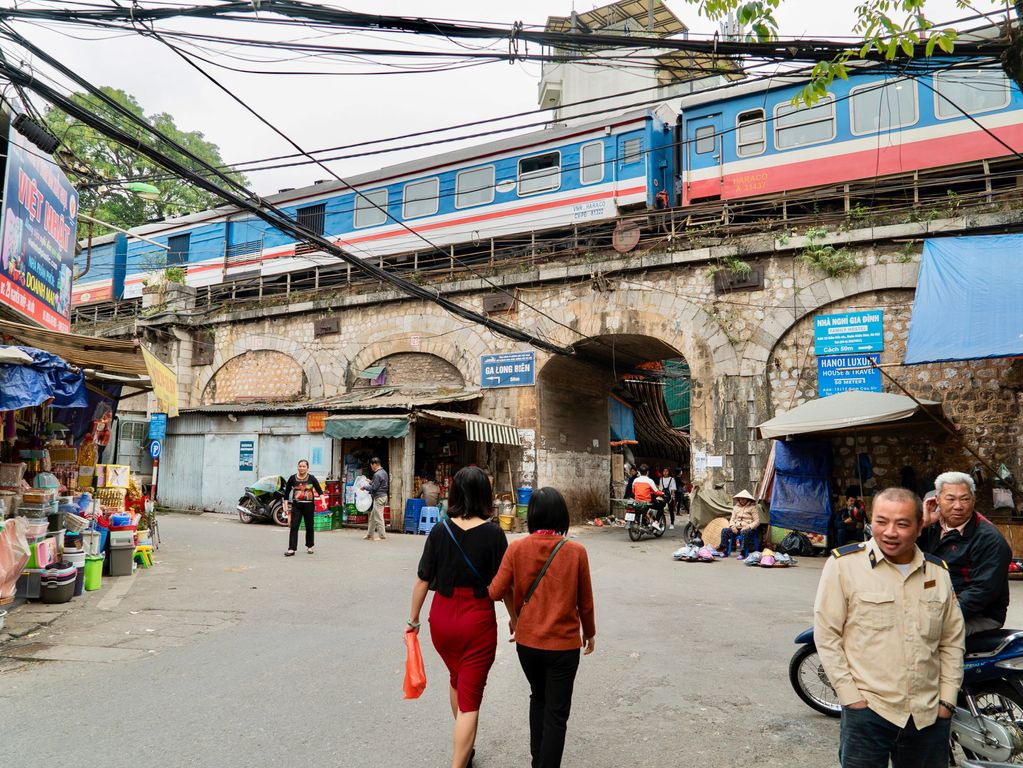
<point>819,294</point>
<point>261,342</point>
<point>442,336</point>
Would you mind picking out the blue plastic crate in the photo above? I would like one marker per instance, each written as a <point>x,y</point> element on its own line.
<point>412,510</point>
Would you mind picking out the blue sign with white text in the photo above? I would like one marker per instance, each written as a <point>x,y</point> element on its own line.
<point>513,369</point>
<point>848,332</point>
<point>158,426</point>
<point>847,373</point>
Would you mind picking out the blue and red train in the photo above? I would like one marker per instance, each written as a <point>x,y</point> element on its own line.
<point>741,142</point>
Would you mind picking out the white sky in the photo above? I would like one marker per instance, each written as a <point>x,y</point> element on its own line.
<point>327,111</point>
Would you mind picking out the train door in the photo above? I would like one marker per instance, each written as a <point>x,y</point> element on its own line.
<point>630,168</point>
<point>704,158</point>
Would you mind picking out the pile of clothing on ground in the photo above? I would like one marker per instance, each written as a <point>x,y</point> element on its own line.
<point>696,552</point>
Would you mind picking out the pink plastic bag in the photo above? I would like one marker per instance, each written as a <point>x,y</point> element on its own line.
<point>14,553</point>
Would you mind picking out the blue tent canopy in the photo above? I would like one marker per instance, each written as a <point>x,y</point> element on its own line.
<point>623,421</point>
<point>800,499</point>
<point>969,300</point>
<point>46,377</point>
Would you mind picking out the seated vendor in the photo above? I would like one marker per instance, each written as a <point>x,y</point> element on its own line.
<point>429,492</point>
<point>849,521</point>
<point>743,523</point>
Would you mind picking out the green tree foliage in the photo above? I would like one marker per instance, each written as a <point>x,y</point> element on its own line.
<point>101,167</point>
<point>888,27</point>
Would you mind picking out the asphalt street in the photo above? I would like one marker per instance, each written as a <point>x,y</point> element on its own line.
<point>229,654</point>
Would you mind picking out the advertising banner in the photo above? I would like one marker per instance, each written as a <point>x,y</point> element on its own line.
<point>847,373</point>
<point>848,333</point>
<point>40,208</point>
<point>164,381</point>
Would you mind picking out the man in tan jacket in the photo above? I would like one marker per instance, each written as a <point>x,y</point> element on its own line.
<point>890,635</point>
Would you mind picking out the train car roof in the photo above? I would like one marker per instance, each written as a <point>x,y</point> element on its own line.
<point>387,174</point>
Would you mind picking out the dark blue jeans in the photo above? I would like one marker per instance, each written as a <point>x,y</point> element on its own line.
<point>868,741</point>
<point>743,540</point>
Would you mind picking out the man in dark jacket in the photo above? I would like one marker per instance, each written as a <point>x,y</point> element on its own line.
<point>975,551</point>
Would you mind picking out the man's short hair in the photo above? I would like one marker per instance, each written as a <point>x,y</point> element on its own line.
<point>897,495</point>
<point>376,460</point>
<point>955,478</point>
<point>643,469</point>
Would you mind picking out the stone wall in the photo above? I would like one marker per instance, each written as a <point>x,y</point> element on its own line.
<point>255,376</point>
<point>415,369</point>
<point>974,394</point>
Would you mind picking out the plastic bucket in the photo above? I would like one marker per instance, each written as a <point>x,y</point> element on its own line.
<point>93,572</point>
<point>506,522</point>
<point>523,495</point>
<point>521,510</point>
<point>80,581</point>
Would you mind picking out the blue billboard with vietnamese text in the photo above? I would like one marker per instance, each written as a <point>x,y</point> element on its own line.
<point>38,242</point>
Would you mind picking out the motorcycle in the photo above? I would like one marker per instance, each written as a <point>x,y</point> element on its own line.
<point>264,500</point>
<point>643,517</point>
<point>988,721</point>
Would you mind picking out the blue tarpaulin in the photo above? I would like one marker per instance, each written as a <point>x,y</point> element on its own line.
<point>623,421</point>
<point>47,376</point>
<point>801,500</point>
<point>969,300</point>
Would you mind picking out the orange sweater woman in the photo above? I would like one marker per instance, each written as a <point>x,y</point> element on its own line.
<point>551,620</point>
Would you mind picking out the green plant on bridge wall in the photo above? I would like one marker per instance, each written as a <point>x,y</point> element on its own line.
<point>733,264</point>
<point>174,275</point>
<point>832,261</point>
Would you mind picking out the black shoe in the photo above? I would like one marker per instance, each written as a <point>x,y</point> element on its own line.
<point>471,756</point>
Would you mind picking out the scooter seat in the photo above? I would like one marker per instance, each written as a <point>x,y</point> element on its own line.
<point>989,642</point>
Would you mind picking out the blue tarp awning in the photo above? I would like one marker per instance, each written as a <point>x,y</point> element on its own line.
<point>623,421</point>
<point>46,377</point>
<point>969,300</point>
<point>800,499</point>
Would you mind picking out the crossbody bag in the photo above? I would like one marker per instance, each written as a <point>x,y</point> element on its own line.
<point>468,562</point>
<point>539,576</point>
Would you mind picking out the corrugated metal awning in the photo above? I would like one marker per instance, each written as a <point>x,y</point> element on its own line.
<point>367,399</point>
<point>352,426</point>
<point>477,428</point>
<point>107,355</point>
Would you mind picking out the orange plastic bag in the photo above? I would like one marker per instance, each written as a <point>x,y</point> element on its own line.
<point>415,672</point>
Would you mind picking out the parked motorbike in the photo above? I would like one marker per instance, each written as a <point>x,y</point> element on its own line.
<point>988,721</point>
<point>264,500</point>
<point>643,517</point>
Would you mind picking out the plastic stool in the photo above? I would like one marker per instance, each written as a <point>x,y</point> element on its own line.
<point>413,508</point>
<point>754,545</point>
<point>428,517</point>
<point>144,555</point>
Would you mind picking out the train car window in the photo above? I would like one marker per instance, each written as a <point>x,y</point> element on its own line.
<point>750,133</point>
<point>370,208</point>
<point>800,126</point>
<point>876,108</point>
<point>421,198</point>
<point>312,216</point>
<point>178,249</point>
<point>539,173</point>
<point>591,162</point>
<point>974,90</point>
<point>705,139</point>
<point>632,151</point>
<point>474,187</point>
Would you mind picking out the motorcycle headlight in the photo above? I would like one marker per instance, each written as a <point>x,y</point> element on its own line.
<point>1015,664</point>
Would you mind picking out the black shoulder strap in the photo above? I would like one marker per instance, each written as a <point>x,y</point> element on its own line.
<point>543,570</point>
<point>465,556</point>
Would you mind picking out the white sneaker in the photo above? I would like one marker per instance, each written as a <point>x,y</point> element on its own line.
<point>671,527</point>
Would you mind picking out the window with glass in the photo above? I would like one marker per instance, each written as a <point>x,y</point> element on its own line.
<point>750,133</point>
<point>421,198</point>
<point>474,187</point>
<point>632,151</point>
<point>973,90</point>
<point>539,173</point>
<point>371,208</point>
<point>312,217</point>
<point>591,163</point>
<point>875,108</point>
<point>802,125</point>
<point>705,139</point>
<point>177,251</point>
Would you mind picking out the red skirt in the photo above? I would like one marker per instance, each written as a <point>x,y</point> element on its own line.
<point>463,628</point>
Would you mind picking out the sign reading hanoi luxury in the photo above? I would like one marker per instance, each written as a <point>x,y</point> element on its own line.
<point>40,208</point>
<point>848,333</point>
<point>847,373</point>
<point>513,369</point>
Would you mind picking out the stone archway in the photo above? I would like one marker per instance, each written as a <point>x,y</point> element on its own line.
<point>417,370</point>
<point>257,376</point>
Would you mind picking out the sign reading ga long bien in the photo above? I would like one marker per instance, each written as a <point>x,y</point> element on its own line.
<point>848,333</point>
<point>513,369</point>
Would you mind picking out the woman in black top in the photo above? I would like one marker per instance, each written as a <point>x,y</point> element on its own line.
<point>298,502</point>
<point>461,556</point>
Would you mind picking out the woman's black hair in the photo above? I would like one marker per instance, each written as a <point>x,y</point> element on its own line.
<point>547,511</point>
<point>471,494</point>
<point>304,461</point>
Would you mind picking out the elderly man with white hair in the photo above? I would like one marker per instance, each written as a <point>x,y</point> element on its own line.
<point>976,553</point>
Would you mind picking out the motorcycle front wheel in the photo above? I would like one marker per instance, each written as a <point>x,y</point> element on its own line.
<point>811,684</point>
<point>279,515</point>
<point>246,517</point>
<point>1001,702</point>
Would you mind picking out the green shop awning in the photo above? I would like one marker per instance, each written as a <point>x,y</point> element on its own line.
<point>345,426</point>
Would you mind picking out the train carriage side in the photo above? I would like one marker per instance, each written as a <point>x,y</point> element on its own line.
<point>757,143</point>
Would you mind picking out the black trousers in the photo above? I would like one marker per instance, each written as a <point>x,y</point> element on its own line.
<point>301,510</point>
<point>551,676</point>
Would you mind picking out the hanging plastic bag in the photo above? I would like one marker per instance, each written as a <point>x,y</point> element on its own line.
<point>415,672</point>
